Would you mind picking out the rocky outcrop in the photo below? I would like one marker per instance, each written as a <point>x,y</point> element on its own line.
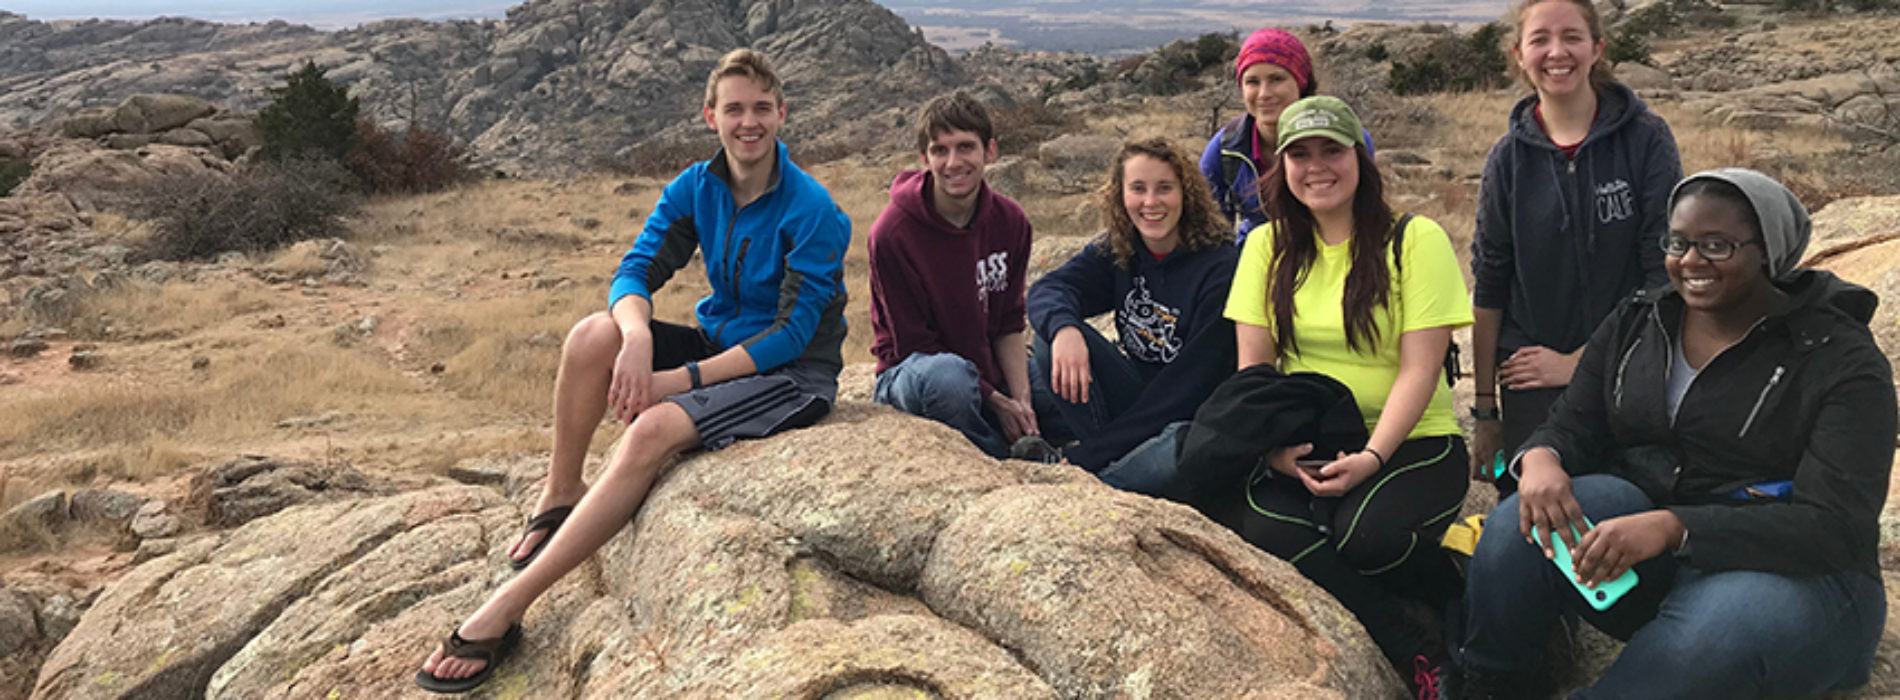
<point>875,552</point>
<point>252,487</point>
<point>559,85</point>
<point>94,178</point>
<point>1829,75</point>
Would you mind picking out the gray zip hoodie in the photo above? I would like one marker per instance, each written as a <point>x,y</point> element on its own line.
<point>1560,241</point>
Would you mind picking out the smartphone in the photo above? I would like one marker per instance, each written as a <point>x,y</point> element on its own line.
<point>1606,593</point>
<point>1311,463</point>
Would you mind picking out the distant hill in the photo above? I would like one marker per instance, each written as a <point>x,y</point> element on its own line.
<point>1115,27</point>
<point>558,85</point>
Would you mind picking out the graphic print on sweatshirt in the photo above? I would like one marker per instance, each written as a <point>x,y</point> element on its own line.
<point>1616,201</point>
<point>992,275</point>
<point>1147,327</point>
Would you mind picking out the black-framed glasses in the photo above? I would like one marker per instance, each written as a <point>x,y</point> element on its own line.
<point>1712,249</point>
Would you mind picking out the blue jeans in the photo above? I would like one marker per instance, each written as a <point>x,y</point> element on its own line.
<point>1114,383</point>
<point>943,387</point>
<point>1690,633</point>
<point>1149,468</point>
<point>1114,387</point>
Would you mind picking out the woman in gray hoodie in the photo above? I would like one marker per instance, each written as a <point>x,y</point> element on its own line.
<point>1570,209</point>
<point>1728,440</point>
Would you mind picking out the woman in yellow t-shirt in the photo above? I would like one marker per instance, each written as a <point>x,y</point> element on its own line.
<point>1321,288</point>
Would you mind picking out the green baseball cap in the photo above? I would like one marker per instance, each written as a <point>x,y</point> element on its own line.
<point>1320,115</point>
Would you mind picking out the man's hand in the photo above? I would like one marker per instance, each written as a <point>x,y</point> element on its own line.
<point>1538,367</point>
<point>1069,365</point>
<point>632,389</point>
<point>1017,418</point>
<point>1544,501</point>
<point>1617,544</point>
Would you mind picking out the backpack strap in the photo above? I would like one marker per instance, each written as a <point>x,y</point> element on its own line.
<point>1453,369</point>
<point>1229,172</point>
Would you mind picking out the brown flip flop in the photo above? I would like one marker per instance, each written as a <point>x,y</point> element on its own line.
<point>549,520</point>
<point>489,651</point>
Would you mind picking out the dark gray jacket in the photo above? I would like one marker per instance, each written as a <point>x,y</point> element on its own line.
<point>1805,397</point>
<point>1560,241</point>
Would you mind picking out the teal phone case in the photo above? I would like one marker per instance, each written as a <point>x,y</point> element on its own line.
<point>1606,593</point>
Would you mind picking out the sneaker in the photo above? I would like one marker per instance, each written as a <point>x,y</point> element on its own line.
<point>1428,678</point>
<point>1035,449</point>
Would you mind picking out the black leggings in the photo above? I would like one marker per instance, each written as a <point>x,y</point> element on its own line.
<point>1377,541</point>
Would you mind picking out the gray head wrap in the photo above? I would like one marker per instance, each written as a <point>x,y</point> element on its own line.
<point>1784,222</point>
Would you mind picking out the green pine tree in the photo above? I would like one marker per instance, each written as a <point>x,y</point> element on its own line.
<point>309,115</point>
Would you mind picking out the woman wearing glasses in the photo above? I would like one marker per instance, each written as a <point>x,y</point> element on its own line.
<point>1569,211</point>
<point>1730,439</point>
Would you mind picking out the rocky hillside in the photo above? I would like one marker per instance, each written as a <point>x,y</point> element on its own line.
<point>556,85</point>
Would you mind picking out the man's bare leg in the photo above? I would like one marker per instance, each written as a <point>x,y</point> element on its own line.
<point>580,400</point>
<point>660,432</point>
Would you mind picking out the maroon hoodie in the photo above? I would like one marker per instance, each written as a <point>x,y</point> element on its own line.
<point>937,288</point>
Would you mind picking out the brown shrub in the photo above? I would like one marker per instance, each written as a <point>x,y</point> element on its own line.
<point>262,207</point>
<point>419,160</point>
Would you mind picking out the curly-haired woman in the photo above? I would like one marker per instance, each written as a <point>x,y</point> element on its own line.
<point>1163,266</point>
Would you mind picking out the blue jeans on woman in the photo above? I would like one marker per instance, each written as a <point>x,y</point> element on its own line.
<point>1690,633</point>
<point>1114,387</point>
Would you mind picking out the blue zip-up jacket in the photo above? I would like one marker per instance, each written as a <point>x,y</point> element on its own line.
<point>1560,241</point>
<point>1168,316</point>
<point>776,266</point>
<point>1233,175</point>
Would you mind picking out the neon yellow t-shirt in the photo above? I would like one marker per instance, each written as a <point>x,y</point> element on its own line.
<point>1429,294</point>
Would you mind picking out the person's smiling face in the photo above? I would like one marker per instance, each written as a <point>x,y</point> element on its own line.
<point>747,119</point>
<point>1267,89</point>
<point>1151,191</point>
<point>1714,285</point>
<point>1555,49</point>
<point>1322,173</point>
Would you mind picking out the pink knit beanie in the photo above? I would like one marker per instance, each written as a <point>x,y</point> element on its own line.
<point>1278,48</point>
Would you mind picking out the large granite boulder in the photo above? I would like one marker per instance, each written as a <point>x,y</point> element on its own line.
<point>875,553</point>
<point>151,114</point>
<point>93,178</point>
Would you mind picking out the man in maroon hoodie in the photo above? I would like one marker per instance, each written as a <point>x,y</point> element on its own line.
<point>947,281</point>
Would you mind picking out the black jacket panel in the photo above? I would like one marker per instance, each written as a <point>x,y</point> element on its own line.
<point>1806,396</point>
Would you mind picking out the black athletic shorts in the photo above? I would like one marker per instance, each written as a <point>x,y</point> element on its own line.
<point>791,396</point>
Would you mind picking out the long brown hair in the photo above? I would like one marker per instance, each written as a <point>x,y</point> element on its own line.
<point>1201,226</point>
<point>1600,74</point>
<point>1368,283</point>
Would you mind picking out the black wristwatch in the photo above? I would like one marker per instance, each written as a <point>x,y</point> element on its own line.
<point>1486,413</point>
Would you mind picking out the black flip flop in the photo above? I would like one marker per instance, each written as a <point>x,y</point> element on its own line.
<point>489,651</point>
<point>551,521</point>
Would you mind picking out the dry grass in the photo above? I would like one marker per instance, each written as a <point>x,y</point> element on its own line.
<point>296,378</point>
<point>168,310</point>
<point>502,351</point>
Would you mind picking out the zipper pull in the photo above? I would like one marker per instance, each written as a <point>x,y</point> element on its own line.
<point>1573,166</point>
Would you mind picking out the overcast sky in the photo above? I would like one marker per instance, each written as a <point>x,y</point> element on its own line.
<point>344,13</point>
<point>327,15</point>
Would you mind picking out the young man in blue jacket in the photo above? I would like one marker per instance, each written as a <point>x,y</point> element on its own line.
<point>764,358</point>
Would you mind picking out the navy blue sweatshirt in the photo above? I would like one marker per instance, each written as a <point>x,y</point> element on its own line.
<point>1168,317</point>
<point>1560,241</point>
